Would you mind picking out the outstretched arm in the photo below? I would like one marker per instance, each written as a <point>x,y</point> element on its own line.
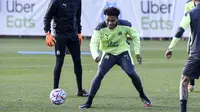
<point>133,33</point>
<point>185,22</point>
<point>136,42</point>
<point>94,45</point>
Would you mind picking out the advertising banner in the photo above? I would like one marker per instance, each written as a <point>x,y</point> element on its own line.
<point>152,18</point>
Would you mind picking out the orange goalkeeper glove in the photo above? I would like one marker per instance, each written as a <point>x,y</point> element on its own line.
<point>80,38</point>
<point>50,41</point>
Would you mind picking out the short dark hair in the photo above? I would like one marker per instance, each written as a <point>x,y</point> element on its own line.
<point>112,11</point>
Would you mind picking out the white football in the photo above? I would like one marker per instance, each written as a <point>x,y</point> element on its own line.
<point>57,96</point>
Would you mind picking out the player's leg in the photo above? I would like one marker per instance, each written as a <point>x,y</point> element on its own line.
<point>126,63</point>
<point>106,63</point>
<point>67,51</point>
<point>191,86</point>
<point>74,49</point>
<point>60,48</point>
<point>189,72</point>
<point>183,92</point>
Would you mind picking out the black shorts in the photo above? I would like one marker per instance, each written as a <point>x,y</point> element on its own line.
<point>124,60</point>
<point>192,68</point>
<point>63,42</point>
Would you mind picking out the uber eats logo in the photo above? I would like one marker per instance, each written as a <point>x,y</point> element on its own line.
<point>155,16</point>
<point>16,9</point>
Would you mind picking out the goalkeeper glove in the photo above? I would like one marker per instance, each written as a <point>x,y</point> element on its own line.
<point>50,41</point>
<point>80,38</point>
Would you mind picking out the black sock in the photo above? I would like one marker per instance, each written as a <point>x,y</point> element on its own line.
<point>90,99</point>
<point>192,82</point>
<point>79,83</point>
<point>183,105</point>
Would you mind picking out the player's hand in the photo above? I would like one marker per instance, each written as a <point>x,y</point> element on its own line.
<point>139,59</point>
<point>80,38</point>
<point>97,59</point>
<point>168,54</point>
<point>50,41</point>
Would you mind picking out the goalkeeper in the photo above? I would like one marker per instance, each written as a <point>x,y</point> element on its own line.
<point>67,28</point>
<point>111,34</point>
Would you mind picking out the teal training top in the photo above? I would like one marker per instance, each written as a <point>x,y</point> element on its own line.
<point>114,41</point>
<point>188,6</point>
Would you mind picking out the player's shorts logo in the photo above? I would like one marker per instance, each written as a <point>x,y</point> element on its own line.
<point>106,57</point>
<point>65,5</point>
<point>127,57</point>
<point>57,52</point>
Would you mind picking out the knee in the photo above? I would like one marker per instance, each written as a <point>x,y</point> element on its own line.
<point>185,80</point>
<point>100,75</point>
<point>59,61</point>
<point>77,60</point>
<point>131,73</point>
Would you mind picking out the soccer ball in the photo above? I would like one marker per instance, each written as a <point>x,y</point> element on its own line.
<point>57,96</point>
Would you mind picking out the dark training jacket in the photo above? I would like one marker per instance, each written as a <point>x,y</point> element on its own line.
<point>66,15</point>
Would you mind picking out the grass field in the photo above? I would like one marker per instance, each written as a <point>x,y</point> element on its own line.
<point>26,80</point>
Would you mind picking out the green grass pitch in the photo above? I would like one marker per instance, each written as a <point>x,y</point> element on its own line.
<point>26,80</point>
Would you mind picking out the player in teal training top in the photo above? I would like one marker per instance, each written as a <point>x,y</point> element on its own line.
<point>110,37</point>
<point>191,69</point>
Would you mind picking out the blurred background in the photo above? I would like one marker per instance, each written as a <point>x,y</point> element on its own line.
<point>152,18</point>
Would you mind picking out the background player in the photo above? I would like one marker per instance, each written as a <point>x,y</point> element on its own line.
<point>192,65</point>
<point>188,6</point>
<point>67,27</point>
